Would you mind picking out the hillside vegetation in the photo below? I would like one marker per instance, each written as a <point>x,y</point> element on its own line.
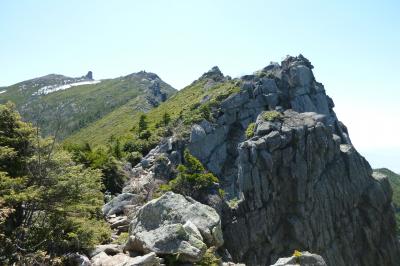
<point>66,111</point>
<point>186,104</point>
<point>48,203</point>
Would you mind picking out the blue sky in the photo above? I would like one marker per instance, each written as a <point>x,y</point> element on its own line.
<point>353,46</point>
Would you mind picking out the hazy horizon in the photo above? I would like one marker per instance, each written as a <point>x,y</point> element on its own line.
<point>353,47</point>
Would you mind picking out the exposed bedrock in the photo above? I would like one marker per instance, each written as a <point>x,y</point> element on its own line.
<point>296,184</point>
<point>301,183</point>
<point>300,188</point>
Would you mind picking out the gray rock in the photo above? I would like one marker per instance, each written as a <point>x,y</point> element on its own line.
<point>78,259</point>
<point>264,128</point>
<point>118,221</point>
<point>100,259</point>
<point>205,146</point>
<point>169,240</point>
<point>206,126</point>
<point>116,205</point>
<point>306,259</point>
<point>235,100</point>
<point>89,75</point>
<point>300,185</point>
<point>266,86</point>
<point>214,74</point>
<point>120,259</point>
<point>150,259</point>
<point>197,133</point>
<point>328,193</point>
<point>162,226</point>
<point>109,249</point>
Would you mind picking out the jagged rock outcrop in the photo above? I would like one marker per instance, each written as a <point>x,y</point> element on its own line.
<point>301,188</point>
<point>300,182</point>
<point>89,75</point>
<point>174,224</point>
<point>297,183</point>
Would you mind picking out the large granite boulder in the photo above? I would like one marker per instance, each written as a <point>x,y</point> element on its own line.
<point>174,224</point>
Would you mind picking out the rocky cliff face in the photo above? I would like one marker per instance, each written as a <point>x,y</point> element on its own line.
<point>301,188</point>
<point>293,180</point>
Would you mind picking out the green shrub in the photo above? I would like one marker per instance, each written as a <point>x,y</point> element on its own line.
<point>141,145</point>
<point>192,179</point>
<point>205,111</point>
<point>142,123</point>
<point>209,259</point>
<point>250,130</point>
<point>233,203</point>
<point>195,106</point>
<point>122,238</point>
<point>145,134</point>
<point>166,119</point>
<point>272,116</point>
<point>158,192</point>
<point>134,158</point>
<point>49,204</point>
<point>104,159</point>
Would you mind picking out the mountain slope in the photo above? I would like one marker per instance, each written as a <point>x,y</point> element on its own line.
<point>61,105</point>
<point>124,120</point>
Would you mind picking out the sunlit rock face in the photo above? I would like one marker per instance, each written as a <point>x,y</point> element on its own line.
<point>299,182</point>
<point>291,176</point>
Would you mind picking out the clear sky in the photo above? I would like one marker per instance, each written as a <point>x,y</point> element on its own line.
<point>355,48</point>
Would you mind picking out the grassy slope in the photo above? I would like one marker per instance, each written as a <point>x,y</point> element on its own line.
<point>79,106</point>
<point>124,120</point>
<point>21,92</point>
<point>115,123</point>
<point>394,180</point>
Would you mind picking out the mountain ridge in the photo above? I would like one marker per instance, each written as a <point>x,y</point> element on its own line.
<point>290,176</point>
<point>264,167</point>
<point>47,100</point>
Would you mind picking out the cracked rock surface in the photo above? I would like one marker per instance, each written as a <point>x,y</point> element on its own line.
<point>297,184</point>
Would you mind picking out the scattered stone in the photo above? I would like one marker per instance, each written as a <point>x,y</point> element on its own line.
<point>109,249</point>
<point>305,259</point>
<point>116,205</point>
<point>78,259</point>
<point>120,259</point>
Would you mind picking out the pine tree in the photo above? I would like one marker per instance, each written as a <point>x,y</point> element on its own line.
<point>142,123</point>
<point>166,119</point>
<point>48,203</point>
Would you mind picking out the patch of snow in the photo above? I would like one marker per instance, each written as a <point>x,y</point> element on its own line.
<point>2,91</point>
<point>52,88</point>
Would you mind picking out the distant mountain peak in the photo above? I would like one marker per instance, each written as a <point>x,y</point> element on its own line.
<point>214,73</point>
<point>144,74</point>
<point>89,75</point>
